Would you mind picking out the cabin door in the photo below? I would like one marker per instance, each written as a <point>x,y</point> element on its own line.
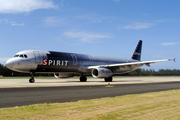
<point>74,59</point>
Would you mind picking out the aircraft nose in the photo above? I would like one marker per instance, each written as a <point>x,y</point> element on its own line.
<point>9,64</point>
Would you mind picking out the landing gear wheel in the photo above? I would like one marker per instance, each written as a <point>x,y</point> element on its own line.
<point>83,79</point>
<point>31,80</point>
<point>109,79</point>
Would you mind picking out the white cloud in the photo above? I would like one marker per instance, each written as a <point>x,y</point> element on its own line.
<point>94,18</point>
<point>137,26</point>
<point>6,21</point>
<point>17,24</point>
<point>85,36</point>
<point>54,21</point>
<point>168,44</point>
<point>23,6</point>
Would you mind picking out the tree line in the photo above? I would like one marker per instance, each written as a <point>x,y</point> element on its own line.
<point>138,72</point>
<point>161,72</point>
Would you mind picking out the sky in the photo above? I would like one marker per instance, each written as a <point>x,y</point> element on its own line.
<point>97,27</point>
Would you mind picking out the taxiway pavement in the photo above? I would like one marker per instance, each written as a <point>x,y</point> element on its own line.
<point>16,83</point>
<point>69,90</point>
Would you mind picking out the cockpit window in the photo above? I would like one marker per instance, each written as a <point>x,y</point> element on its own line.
<point>16,56</point>
<point>25,56</point>
<point>21,55</point>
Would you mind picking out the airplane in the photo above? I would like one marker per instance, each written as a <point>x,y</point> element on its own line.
<point>66,65</point>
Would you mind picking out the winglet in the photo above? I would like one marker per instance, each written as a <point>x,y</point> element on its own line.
<point>137,52</point>
<point>172,60</point>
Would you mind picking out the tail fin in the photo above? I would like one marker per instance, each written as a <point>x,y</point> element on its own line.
<point>137,53</point>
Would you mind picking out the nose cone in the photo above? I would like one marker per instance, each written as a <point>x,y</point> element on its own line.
<point>9,64</point>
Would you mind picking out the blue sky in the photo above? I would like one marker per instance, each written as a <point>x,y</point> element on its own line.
<point>96,27</point>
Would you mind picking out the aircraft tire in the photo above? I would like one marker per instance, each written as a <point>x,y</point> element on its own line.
<point>109,79</point>
<point>83,79</point>
<point>31,80</point>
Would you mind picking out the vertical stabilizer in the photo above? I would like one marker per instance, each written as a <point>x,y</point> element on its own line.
<point>137,53</point>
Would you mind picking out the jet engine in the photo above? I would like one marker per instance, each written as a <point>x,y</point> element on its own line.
<point>63,75</point>
<point>101,73</point>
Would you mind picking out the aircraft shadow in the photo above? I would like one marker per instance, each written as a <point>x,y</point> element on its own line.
<point>92,81</point>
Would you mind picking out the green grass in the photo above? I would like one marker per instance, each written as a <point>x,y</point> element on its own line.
<point>158,105</point>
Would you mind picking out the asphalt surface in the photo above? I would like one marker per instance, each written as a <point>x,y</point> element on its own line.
<point>12,97</point>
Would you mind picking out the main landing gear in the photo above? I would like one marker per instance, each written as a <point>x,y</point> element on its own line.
<point>109,79</point>
<point>83,78</point>
<point>31,80</point>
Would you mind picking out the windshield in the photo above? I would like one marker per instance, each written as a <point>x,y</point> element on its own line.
<point>16,56</point>
<point>21,55</point>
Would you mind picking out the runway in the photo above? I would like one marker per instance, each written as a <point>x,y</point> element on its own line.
<point>73,90</point>
<point>16,83</point>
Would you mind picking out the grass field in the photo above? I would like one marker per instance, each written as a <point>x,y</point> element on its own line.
<point>148,106</point>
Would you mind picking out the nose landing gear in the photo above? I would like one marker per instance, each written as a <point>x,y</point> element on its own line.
<point>31,80</point>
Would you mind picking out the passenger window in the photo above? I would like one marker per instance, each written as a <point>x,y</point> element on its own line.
<point>25,56</point>
<point>21,56</point>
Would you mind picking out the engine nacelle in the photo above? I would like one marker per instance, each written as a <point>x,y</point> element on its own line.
<point>63,75</point>
<point>101,73</point>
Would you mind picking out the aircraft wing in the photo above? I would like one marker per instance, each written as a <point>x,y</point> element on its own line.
<point>147,63</point>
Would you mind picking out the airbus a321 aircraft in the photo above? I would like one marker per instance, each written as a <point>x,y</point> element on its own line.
<point>65,65</point>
